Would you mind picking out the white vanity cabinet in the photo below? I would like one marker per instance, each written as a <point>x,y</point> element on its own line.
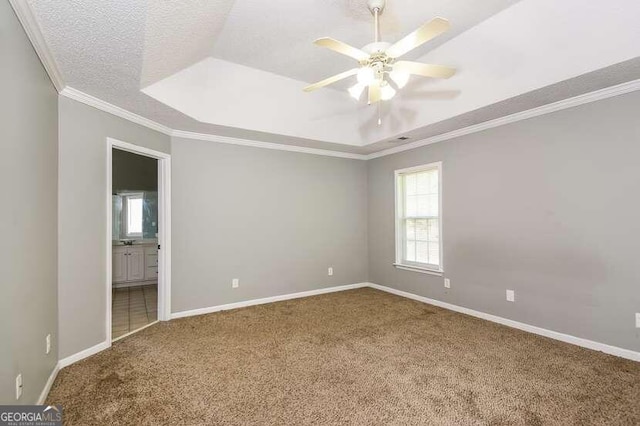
<point>134,263</point>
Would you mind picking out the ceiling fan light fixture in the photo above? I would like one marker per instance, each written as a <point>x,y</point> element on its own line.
<point>379,68</point>
<point>366,76</point>
<point>399,78</point>
<point>356,91</point>
<point>387,92</point>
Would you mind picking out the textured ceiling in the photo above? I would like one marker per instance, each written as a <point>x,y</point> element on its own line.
<point>178,34</point>
<point>183,63</point>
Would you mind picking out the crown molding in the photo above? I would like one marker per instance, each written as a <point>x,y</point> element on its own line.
<point>32,28</point>
<point>77,95</point>
<point>265,145</point>
<point>585,98</point>
<point>597,95</point>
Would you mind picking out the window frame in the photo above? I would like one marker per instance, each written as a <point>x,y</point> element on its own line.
<point>125,213</point>
<point>400,232</point>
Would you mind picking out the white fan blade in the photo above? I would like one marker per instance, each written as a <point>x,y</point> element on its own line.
<point>343,48</point>
<point>374,92</point>
<point>331,80</point>
<point>425,70</point>
<point>426,32</point>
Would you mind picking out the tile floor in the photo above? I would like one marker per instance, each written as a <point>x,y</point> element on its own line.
<point>133,308</point>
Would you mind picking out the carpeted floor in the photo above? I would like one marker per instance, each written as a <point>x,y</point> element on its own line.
<point>354,357</point>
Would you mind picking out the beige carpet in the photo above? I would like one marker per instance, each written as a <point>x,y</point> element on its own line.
<point>355,357</point>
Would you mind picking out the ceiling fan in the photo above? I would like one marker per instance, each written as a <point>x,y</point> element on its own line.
<point>379,69</point>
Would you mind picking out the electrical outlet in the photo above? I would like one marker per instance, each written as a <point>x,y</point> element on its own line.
<point>18,386</point>
<point>447,283</point>
<point>637,319</point>
<point>511,296</point>
<point>330,271</point>
<point>235,283</point>
<point>48,344</point>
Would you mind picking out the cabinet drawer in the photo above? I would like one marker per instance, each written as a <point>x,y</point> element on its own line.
<point>151,273</point>
<point>151,260</point>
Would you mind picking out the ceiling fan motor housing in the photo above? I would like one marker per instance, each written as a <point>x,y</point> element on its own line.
<point>372,48</point>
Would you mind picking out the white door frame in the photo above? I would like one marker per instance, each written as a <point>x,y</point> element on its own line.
<point>164,226</point>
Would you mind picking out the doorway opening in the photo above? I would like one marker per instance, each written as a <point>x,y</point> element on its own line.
<point>138,238</point>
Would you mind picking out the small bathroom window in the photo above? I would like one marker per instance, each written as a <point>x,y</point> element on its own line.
<point>133,214</point>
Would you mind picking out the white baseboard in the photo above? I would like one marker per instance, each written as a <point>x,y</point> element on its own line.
<point>262,301</point>
<point>47,386</point>
<point>65,362</point>
<point>83,354</point>
<point>589,344</point>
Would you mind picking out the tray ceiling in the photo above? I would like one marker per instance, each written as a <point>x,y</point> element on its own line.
<point>237,68</point>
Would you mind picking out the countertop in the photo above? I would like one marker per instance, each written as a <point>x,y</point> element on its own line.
<point>147,242</point>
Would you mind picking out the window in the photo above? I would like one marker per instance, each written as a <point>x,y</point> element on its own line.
<point>133,215</point>
<point>418,218</point>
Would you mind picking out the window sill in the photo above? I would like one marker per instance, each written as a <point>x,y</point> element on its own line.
<point>419,269</point>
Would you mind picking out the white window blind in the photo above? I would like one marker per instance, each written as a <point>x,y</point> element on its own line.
<point>418,223</point>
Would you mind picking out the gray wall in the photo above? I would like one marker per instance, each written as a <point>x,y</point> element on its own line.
<point>134,172</point>
<point>28,216</point>
<point>524,208</point>
<point>82,217</point>
<point>548,207</point>
<point>294,214</point>
<point>274,219</point>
